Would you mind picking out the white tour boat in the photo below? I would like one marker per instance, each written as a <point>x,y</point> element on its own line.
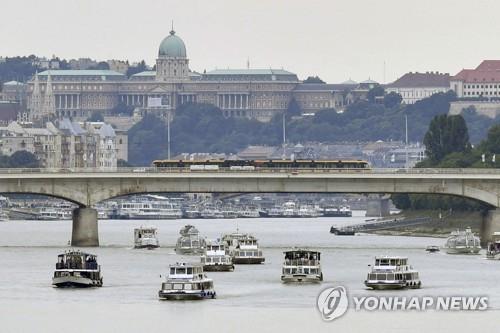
<point>146,238</point>
<point>243,248</point>
<point>462,242</point>
<point>77,269</point>
<point>301,266</point>
<point>493,249</point>
<point>215,258</point>
<point>187,282</point>
<point>392,273</point>
<point>190,241</point>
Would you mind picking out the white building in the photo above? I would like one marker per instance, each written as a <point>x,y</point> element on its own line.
<point>416,86</point>
<point>483,82</point>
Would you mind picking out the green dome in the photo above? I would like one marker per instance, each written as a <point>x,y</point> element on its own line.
<point>172,46</point>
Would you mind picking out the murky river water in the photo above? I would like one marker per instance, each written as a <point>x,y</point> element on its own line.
<point>250,299</point>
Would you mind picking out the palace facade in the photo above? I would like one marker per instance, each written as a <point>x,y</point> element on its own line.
<point>251,93</point>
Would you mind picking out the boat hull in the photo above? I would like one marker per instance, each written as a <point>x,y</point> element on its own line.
<point>493,256</point>
<point>147,246</point>
<point>189,251</point>
<point>463,250</point>
<point>248,260</point>
<point>218,268</point>
<point>185,296</point>
<point>384,285</point>
<point>302,278</point>
<point>76,282</point>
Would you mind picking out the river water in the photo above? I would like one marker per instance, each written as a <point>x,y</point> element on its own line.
<point>250,299</point>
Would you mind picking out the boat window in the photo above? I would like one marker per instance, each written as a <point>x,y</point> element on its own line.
<point>372,276</point>
<point>377,262</point>
<point>177,286</point>
<point>390,276</point>
<point>408,276</point>
<point>393,262</point>
<point>306,270</point>
<point>187,286</point>
<point>381,276</point>
<point>181,270</point>
<point>189,270</point>
<point>172,270</point>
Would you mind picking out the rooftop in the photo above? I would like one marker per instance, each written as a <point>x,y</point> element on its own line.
<point>80,72</point>
<point>487,71</point>
<point>252,71</point>
<point>415,80</point>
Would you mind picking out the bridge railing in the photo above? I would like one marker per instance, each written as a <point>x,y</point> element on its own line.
<point>145,170</point>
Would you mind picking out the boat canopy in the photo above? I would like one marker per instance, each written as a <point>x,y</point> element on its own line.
<point>302,254</point>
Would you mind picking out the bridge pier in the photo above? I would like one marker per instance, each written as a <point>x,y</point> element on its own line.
<point>490,224</point>
<point>85,231</point>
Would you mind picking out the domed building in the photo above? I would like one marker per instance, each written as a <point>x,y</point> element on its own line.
<point>172,63</point>
<point>250,93</point>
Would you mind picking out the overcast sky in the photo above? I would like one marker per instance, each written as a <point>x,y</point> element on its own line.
<point>335,39</point>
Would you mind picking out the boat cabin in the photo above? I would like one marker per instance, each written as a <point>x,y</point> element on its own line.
<point>302,257</point>
<point>390,261</point>
<point>144,232</point>
<point>77,260</point>
<point>185,271</point>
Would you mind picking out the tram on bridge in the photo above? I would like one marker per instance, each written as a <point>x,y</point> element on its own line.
<point>262,164</point>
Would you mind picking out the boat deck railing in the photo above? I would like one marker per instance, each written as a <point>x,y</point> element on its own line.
<point>86,265</point>
<point>301,262</point>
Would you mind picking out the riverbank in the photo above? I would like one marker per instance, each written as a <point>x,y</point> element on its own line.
<point>440,226</point>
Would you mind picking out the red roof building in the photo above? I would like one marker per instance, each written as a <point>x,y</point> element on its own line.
<point>484,81</point>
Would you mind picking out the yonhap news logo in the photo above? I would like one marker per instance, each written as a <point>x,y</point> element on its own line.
<point>333,302</point>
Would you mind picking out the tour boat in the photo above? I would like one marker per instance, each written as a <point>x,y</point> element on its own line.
<point>190,241</point>
<point>77,269</point>
<point>343,211</point>
<point>301,266</point>
<point>215,258</point>
<point>432,248</point>
<point>493,248</point>
<point>145,238</point>
<point>186,282</point>
<point>342,231</point>
<point>462,242</point>
<point>392,273</point>
<point>243,248</point>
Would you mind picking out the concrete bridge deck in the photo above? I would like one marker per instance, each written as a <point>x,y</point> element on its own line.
<point>86,187</point>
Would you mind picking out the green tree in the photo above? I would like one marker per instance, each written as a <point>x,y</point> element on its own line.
<point>96,116</point>
<point>313,79</point>
<point>392,99</point>
<point>446,134</point>
<point>375,92</point>
<point>141,67</point>
<point>23,159</point>
<point>293,108</point>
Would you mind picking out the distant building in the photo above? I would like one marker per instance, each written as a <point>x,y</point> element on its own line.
<point>478,88</point>
<point>81,63</point>
<point>67,145</point>
<point>484,81</point>
<point>118,66</point>
<point>9,111</point>
<point>246,93</point>
<point>416,86</point>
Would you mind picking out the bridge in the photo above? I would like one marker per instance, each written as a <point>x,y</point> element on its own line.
<point>86,187</point>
